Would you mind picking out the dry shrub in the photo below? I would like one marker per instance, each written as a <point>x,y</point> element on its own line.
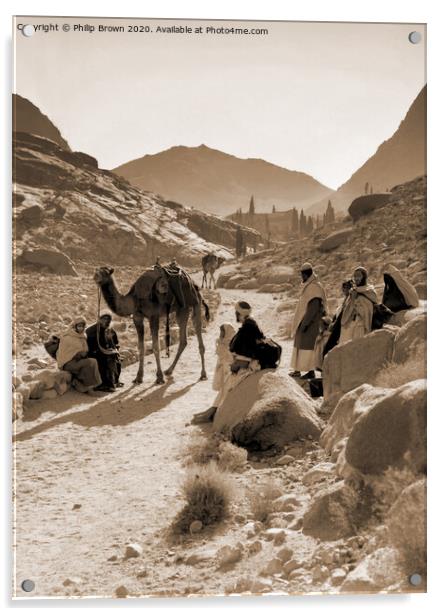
<point>261,500</point>
<point>201,450</point>
<point>231,457</point>
<point>208,494</point>
<point>394,375</point>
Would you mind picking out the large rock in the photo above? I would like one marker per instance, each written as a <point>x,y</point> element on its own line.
<point>334,240</point>
<point>391,433</point>
<point>349,409</point>
<point>421,288</point>
<point>375,572</point>
<point>409,339</point>
<point>367,203</point>
<point>407,525</point>
<point>57,262</point>
<point>276,274</point>
<point>331,513</point>
<point>356,362</point>
<point>405,316</point>
<point>267,409</point>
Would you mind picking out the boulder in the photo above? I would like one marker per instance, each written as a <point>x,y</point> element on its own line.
<point>319,472</point>
<point>421,288</point>
<point>30,216</point>
<point>248,284</point>
<point>267,409</point>
<point>334,240</point>
<point>409,339</point>
<point>330,515</point>
<point>57,262</point>
<point>347,411</point>
<point>375,572</point>
<point>361,206</point>
<point>276,274</point>
<point>356,362</point>
<point>54,379</point>
<point>404,316</point>
<point>391,433</point>
<point>274,288</point>
<point>406,523</point>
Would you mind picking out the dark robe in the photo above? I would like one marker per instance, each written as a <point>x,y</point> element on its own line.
<point>244,342</point>
<point>109,365</point>
<point>392,296</point>
<point>309,327</point>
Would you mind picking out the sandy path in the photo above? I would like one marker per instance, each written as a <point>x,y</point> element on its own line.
<point>95,473</point>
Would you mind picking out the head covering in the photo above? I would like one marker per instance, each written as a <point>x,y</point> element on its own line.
<point>306,267</point>
<point>243,308</point>
<point>405,287</point>
<point>77,320</point>
<point>364,273</point>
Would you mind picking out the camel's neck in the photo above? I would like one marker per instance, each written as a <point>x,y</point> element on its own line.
<point>122,305</point>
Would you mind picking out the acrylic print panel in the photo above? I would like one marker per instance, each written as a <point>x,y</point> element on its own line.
<point>258,190</point>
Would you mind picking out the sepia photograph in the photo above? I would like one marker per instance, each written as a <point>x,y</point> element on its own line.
<point>219,261</point>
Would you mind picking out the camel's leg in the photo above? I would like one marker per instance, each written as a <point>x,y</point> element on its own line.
<point>182,317</point>
<point>154,327</point>
<point>212,277</point>
<point>204,279</point>
<point>138,320</point>
<point>197,322</point>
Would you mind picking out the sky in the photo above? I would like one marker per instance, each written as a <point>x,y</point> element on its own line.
<point>313,97</point>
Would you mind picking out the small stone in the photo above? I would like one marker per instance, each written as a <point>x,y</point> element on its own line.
<point>142,574</point>
<point>285,554</point>
<point>338,576</point>
<point>255,547</point>
<point>320,573</point>
<point>112,559</point>
<point>72,582</point>
<point>274,534</point>
<point>229,555</point>
<point>273,566</point>
<point>284,460</point>
<point>121,592</point>
<point>76,506</point>
<point>297,524</point>
<point>290,566</point>
<point>195,526</point>
<point>239,519</point>
<point>133,550</point>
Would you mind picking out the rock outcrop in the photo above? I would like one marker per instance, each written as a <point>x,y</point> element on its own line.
<point>331,513</point>
<point>63,202</point>
<point>335,240</point>
<point>391,433</point>
<point>44,259</point>
<point>361,206</point>
<point>356,362</point>
<point>267,409</point>
<point>375,572</point>
<point>409,339</point>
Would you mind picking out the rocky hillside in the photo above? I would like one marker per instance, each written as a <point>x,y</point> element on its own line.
<point>400,158</point>
<point>27,118</point>
<point>63,202</point>
<point>216,182</point>
<point>395,233</point>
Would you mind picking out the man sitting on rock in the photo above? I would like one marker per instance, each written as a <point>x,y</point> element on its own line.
<point>306,324</point>
<point>243,347</point>
<point>103,345</point>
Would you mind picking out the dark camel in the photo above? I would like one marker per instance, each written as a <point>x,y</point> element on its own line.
<point>148,298</point>
<point>210,263</point>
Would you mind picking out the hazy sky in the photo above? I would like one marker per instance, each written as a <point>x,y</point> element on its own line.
<point>313,97</point>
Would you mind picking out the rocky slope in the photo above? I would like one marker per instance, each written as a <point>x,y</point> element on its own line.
<point>63,202</point>
<point>27,118</point>
<point>216,182</point>
<point>400,158</point>
<point>395,233</point>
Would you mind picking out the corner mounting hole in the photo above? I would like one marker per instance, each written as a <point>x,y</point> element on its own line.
<point>28,30</point>
<point>414,37</point>
<point>415,579</point>
<point>28,585</point>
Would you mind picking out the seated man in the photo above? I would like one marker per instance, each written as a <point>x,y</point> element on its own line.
<point>398,294</point>
<point>103,345</point>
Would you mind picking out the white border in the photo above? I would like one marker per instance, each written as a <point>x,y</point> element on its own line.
<point>428,11</point>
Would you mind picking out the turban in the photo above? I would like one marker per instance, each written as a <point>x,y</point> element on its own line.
<point>243,308</point>
<point>306,266</point>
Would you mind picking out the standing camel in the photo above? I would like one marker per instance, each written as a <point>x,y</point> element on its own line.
<point>151,297</point>
<point>210,263</point>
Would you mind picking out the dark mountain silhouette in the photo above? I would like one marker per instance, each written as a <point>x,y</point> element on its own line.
<point>399,159</point>
<point>27,118</point>
<point>216,182</point>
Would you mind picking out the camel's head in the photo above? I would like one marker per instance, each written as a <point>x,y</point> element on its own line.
<point>103,275</point>
<point>220,261</point>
